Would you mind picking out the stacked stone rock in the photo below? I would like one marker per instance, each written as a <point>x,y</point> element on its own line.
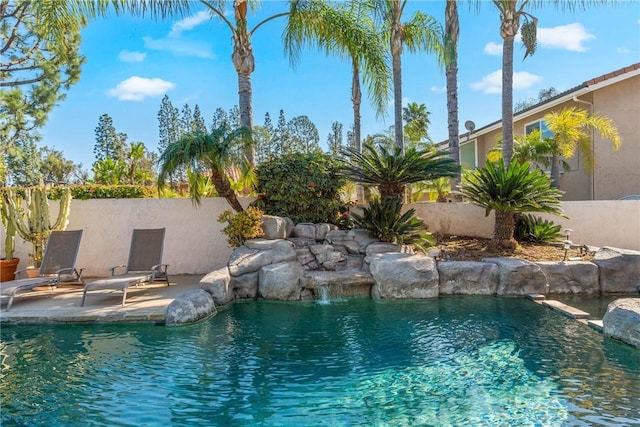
<point>292,262</point>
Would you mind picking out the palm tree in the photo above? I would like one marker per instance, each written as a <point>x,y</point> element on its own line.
<point>571,129</point>
<point>242,56</point>
<point>452,34</point>
<point>511,11</point>
<point>391,170</point>
<point>213,151</point>
<point>421,33</point>
<point>416,118</point>
<point>347,31</point>
<point>509,191</point>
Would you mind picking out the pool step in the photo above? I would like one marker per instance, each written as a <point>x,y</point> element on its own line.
<point>567,310</point>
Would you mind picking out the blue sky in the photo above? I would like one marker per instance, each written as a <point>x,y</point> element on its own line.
<point>132,62</point>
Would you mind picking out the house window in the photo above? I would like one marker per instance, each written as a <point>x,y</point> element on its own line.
<point>469,154</point>
<point>540,125</point>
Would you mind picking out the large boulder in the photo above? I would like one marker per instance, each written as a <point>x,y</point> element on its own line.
<point>244,260</point>
<point>245,286</point>
<point>519,277</point>
<point>619,270</point>
<point>468,278</point>
<point>403,276</point>
<point>190,307</point>
<point>279,250</point>
<point>217,283</point>
<point>281,281</point>
<point>276,227</point>
<point>573,277</point>
<point>622,320</point>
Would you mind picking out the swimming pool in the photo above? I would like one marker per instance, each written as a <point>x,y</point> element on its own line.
<point>450,361</point>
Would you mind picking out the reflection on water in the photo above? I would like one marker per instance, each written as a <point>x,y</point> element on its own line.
<point>451,361</point>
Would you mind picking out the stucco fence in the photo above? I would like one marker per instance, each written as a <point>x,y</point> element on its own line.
<point>195,244</point>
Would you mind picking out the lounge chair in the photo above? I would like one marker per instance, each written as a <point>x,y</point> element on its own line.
<point>144,265</point>
<point>58,265</point>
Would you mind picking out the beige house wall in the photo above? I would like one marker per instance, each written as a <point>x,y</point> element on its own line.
<point>617,173</point>
<point>195,244</point>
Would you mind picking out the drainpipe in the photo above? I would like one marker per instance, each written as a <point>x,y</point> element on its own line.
<point>593,146</point>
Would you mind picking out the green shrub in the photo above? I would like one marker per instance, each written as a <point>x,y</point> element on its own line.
<point>242,226</point>
<point>302,186</point>
<point>385,221</point>
<point>99,191</point>
<point>530,228</point>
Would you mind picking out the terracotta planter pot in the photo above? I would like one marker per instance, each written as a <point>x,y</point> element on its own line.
<point>8,269</point>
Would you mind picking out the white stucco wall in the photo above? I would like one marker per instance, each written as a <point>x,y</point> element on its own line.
<point>595,222</point>
<point>194,243</point>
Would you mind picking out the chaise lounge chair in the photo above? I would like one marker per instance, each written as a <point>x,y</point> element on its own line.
<point>144,265</point>
<point>58,265</point>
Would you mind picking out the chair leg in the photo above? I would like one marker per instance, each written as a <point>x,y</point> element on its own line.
<point>10,302</point>
<point>124,296</point>
<point>84,295</point>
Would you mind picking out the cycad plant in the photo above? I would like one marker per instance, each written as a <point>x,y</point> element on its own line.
<point>384,220</point>
<point>510,191</point>
<point>391,170</point>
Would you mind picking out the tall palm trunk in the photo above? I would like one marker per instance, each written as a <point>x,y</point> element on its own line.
<point>244,63</point>
<point>356,98</point>
<point>510,22</point>
<point>452,33</point>
<point>555,170</point>
<point>396,61</point>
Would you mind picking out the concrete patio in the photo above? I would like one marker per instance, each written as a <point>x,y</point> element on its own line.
<point>147,303</point>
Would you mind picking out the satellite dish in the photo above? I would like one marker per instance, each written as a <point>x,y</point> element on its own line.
<point>469,125</point>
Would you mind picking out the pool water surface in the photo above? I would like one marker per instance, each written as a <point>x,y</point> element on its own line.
<point>451,361</point>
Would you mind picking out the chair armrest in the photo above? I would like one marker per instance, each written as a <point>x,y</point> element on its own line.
<point>75,273</point>
<point>113,269</point>
<point>159,269</point>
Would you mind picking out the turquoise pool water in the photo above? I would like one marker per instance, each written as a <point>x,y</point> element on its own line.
<point>452,361</point>
<point>595,305</point>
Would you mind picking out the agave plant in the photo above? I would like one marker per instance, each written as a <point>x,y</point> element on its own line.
<point>391,169</point>
<point>385,221</point>
<point>510,191</point>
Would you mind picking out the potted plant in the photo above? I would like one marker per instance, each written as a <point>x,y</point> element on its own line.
<point>30,219</point>
<point>8,263</point>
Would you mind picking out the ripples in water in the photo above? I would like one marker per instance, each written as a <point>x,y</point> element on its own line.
<point>452,361</point>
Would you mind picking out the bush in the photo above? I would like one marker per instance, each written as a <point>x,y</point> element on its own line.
<point>530,228</point>
<point>242,226</point>
<point>302,186</point>
<point>98,191</point>
<point>384,220</point>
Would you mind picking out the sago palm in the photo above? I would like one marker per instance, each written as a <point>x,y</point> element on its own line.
<point>509,191</point>
<point>391,169</point>
<point>213,151</point>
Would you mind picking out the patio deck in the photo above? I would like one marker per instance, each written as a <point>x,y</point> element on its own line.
<point>146,303</point>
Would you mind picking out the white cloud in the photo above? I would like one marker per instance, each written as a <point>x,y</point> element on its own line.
<point>492,83</point>
<point>569,37</point>
<point>129,56</point>
<point>138,88</point>
<point>623,50</point>
<point>189,23</point>
<point>493,48</point>
<point>438,89</point>
<point>180,47</point>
